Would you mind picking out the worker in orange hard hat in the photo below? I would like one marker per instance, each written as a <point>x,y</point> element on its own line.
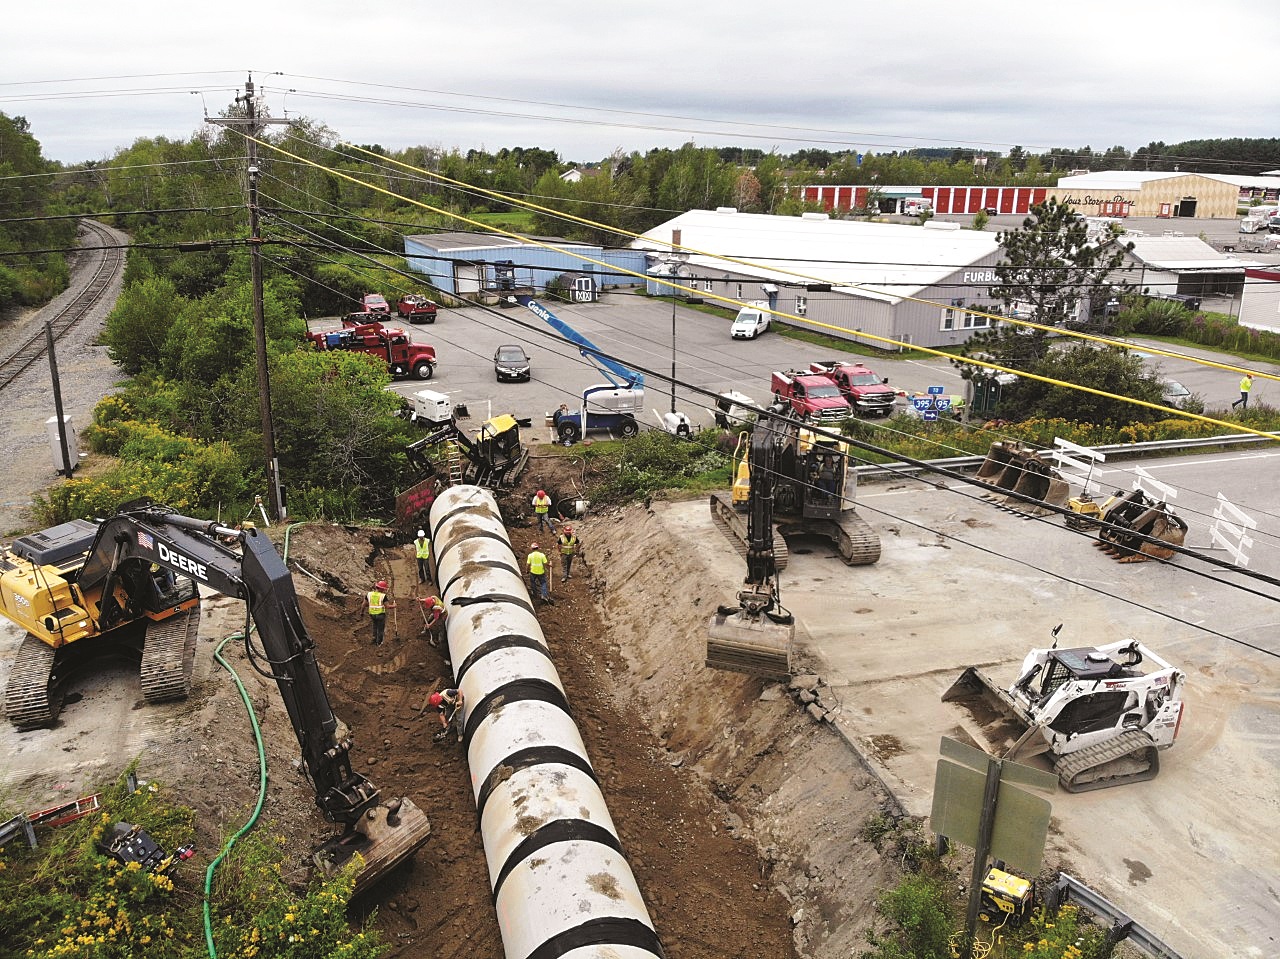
<point>448,704</point>
<point>378,606</point>
<point>569,547</point>
<point>542,510</point>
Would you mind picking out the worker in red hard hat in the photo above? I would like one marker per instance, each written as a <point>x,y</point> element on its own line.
<point>378,606</point>
<point>542,510</point>
<point>569,548</point>
<point>448,704</point>
<point>433,614</point>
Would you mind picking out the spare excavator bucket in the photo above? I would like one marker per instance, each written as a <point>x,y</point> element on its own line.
<point>1040,481</point>
<point>1018,469</point>
<point>1140,517</point>
<point>998,458</point>
<point>757,645</point>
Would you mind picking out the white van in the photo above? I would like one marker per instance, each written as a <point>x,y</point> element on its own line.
<point>1255,220</point>
<point>917,207</point>
<point>751,321</point>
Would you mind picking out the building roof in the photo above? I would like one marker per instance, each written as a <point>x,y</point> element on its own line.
<point>884,261</point>
<point>454,242</point>
<point>1134,179</point>
<point>1182,254</point>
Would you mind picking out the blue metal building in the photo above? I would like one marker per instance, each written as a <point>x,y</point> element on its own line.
<point>478,265</point>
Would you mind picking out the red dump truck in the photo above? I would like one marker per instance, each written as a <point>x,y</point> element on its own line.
<point>402,357</point>
<point>866,392</point>
<point>814,397</point>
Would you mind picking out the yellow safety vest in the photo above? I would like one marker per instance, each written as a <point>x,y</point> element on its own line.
<point>537,562</point>
<point>541,504</point>
<point>375,603</point>
<point>423,548</point>
<point>1246,385</point>
<point>568,545</point>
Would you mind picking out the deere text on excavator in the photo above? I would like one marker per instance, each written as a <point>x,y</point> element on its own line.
<point>142,566</point>
<point>1100,714</point>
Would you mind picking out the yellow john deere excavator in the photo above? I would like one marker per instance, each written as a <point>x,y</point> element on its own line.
<point>83,587</point>
<point>811,492</point>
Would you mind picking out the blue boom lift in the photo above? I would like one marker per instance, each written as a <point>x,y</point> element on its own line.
<point>612,406</point>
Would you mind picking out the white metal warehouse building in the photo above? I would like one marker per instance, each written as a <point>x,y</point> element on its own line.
<point>904,283</point>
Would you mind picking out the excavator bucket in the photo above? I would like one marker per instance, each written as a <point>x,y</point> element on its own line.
<point>1039,480</point>
<point>756,645</point>
<point>1019,469</point>
<point>1140,517</point>
<point>998,458</point>
<point>386,836</point>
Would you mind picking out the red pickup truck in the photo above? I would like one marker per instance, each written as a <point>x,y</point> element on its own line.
<point>814,398</point>
<point>866,392</point>
<point>402,357</point>
<point>417,309</point>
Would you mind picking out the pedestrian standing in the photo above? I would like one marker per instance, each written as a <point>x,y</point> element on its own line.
<point>568,550</point>
<point>378,606</point>
<point>542,509</point>
<point>536,562</point>
<point>448,704</point>
<point>422,552</point>
<point>1246,385</point>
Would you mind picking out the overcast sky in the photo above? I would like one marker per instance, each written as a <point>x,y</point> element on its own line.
<point>584,79</point>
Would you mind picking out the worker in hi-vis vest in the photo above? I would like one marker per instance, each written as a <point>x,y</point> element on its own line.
<point>422,552</point>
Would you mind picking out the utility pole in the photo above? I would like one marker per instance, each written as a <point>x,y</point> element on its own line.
<point>252,125</point>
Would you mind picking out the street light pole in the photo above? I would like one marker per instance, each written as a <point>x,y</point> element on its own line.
<point>673,350</point>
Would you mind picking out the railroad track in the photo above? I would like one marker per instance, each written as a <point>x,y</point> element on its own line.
<point>33,347</point>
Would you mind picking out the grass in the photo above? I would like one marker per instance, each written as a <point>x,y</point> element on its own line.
<point>515,221</point>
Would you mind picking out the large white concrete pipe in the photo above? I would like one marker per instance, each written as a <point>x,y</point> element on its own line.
<point>561,884</point>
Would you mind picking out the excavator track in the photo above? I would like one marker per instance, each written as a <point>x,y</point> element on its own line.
<point>1131,757</point>
<point>734,526</point>
<point>169,657</point>
<point>859,544</point>
<point>30,699</point>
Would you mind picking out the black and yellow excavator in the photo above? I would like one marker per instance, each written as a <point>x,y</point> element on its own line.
<point>118,586</point>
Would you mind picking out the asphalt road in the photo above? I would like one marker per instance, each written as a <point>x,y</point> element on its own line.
<point>638,331</point>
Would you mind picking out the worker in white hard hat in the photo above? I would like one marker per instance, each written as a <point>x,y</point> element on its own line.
<point>422,552</point>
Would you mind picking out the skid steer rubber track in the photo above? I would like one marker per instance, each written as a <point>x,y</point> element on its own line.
<point>31,699</point>
<point>169,657</point>
<point>734,526</point>
<point>1131,757</point>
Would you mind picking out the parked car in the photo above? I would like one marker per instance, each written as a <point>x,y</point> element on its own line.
<point>417,308</point>
<point>1174,392</point>
<point>511,362</point>
<point>375,303</point>
<point>751,321</point>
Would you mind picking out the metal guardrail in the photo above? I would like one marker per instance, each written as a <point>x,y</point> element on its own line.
<point>1112,450</point>
<point>1072,888</point>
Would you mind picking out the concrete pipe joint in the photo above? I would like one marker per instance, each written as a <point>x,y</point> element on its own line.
<point>561,885</point>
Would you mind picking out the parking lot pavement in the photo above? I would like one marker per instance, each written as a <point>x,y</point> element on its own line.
<point>962,583</point>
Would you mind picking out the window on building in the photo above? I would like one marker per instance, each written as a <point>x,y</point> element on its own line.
<point>706,285</point>
<point>802,305</point>
<point>948,318</point>
<point>739,296</point>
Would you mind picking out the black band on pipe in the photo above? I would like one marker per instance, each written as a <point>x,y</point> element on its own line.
<point>609,930</point>
<point>559,830</point>
<point>463,508</point>
<point>487,564</point>
<point>521,601</point>
<point>470,535</point>
<point>525,759</point>
<point>505,641</point>
<point>514,692</point>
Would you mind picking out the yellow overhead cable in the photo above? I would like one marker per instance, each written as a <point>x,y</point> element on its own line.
<point>1237,427</point>
<point>526,204</point>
